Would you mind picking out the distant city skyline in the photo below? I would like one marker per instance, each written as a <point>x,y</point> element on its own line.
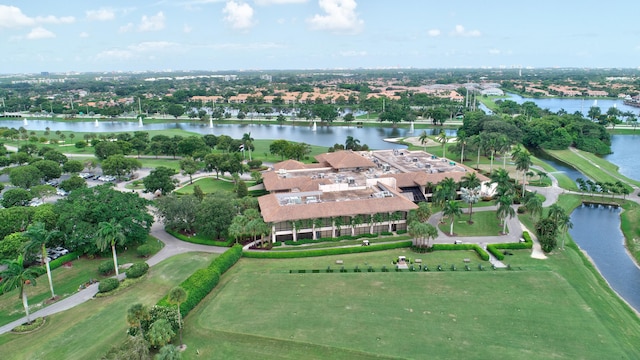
<point>217,35</point>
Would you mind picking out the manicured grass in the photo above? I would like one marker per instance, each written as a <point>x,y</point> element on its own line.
<point>154,163</point>
<point>630,226</point>
<point>583,164</point>
<point>208,185</point>
<point>564,181</point>
<point>484,223</point>
<point>331,244</point>
<point>463,314</point>
<point>89,330</point>
<point>65,282</point>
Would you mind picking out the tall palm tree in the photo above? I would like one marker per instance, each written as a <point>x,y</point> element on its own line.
<point>533,204</point>
<point>38,238</point>
<point>424,139</point>
<point>477,142</point>
<point>247,141</point>
<point>15,276</point>
<point>470,180</point>
<point>505,210</point>
<point>110,234</point>
<point>470,196</point>
<point>462,140</point>
<point>443,139</point>
<point>177,296</point>
<point>351,143</point>
<point>503,181</point>
<point>445,190</point>
<point>523,163</point>
<point>451,210</point>
<point>422,231</point>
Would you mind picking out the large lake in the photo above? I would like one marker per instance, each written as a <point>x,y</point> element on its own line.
<point>571,105</point>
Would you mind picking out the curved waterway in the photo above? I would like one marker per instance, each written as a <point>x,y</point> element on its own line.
<point>322,136</point>
<point>596,229</point>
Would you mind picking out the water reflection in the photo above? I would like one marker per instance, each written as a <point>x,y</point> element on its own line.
<point>596,229</point>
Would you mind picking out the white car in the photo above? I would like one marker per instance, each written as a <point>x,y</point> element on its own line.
<point>62,192</point>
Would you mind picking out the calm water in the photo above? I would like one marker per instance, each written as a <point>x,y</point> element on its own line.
<point>571,105</point>
<point>596,230</point>
<point>323,136</point>
<point>625,154</point>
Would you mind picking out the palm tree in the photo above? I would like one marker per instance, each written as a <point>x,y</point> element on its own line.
<point>470,196</point>
<point>424,139</point>
<point>470,180</point>
<point>38,238</point>
<point>445,190</point>
<point>523,163</point>
<point>503,181</point>
<point>462,139</point>
<point>422,231</point>
<point>533,204</point>
<point>15,276</point>
<point>477,142</point>
<point>351,143</point>
<point>109,234</point>
<point>178,295</point>
<point>505,210</point>
<point>136,314</point>
<point>247,140</point>
<point>443,139</point>
<point>451,210</point>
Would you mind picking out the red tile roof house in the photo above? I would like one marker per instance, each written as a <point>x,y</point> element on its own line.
<point>350,193</point>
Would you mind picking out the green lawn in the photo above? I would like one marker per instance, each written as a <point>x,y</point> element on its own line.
<point>208,185</point>
<point>65,282</point>
<point>88,331</point>
<point>594,172</point>
<point>557,308</point>
<point>484,223</point>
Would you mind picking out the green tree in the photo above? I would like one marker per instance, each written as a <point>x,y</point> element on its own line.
<point>25,176</point>
<point>177,296</point>
<point>547,231</point>
<point>214,214</point>
<point>110,234</point>
<point>136,315</point>
<point>470,196</point>
<point>72,183</point>
<point>351,143</point>
<point>443,139</point>
<point>12,245</point>
<point>505,210</point>
<point>175,110</point>
<point>104,149</point>
<point>241,189</point>
<point>15,197</point>
<point>160,333</point>
<point>178,212</point>
<point>73,166</point>
<point>533,204</point>
<point>422,233</point>
<point>39,237</point>
<point>523,162</point>
<point>169,352</point>
<point>15,276</point>
<point>189,167</point>
<point>451,210</point>
<point>424,139</point>
<point>49,169</point>
<point>118,165</point>
<point>161,179</point>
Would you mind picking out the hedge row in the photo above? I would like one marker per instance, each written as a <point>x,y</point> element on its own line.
<point>202,281</point>
<point>198,239</point>
<point>136,270</point>
<point>327,239</point>
<point>475,247</point>
<point>496,249</point>
<point>54,264</point>
<point>324,252</point>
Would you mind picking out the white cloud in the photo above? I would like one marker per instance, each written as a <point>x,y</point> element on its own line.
<point>146,49</point>
<point>187,29</point>
<point>126,28</point>
<point>152,23</point>
<point>247,47</point>
<point>12,17</point>
<point>40,33</point>
<point>153,46</point>
<point>239,15</point>
<point>461,31</point>
<point>115,54</point>
<point>494,51</point>
<point>340,16</point>
<point>84,34</point>
<point>278,2</point>
<point>102,14</point>
<point>433,32</point>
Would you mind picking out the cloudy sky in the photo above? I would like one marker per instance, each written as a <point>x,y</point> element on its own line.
<point>98,35</point>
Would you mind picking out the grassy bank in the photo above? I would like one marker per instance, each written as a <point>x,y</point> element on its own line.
<point>592,166</point>
<point>461,314</point>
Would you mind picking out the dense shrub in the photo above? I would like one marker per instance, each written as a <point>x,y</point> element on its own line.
<point>202,281</point>
<point>106,267</point>
<point>492,248</point>
<point>136,270</point>
<point>54,264</point>
<point>324,252</point>
<point>107,285</point>
<point>254,164</point>
<point>199,239</point>
<point>475,247</point>
<point>144,250</point>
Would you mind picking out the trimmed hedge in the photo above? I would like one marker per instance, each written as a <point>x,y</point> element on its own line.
<point>144,250</point>
<point>107,285</point>
<point>496,249</point>
<point>54,264</point>
<point>202,281</point>
<point>136,270</point>
<point>324,252</point>
<point>106,267</point>
<point>475,247</point>
<point>198,239</point>
<point>327,239</point>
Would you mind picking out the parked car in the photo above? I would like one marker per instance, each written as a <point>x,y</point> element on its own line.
<point>53,183</point>
<point>35,202</point>
<point>61,250</point>
<point>62,192</point>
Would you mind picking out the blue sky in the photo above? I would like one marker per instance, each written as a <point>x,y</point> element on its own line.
<point>73,35</point>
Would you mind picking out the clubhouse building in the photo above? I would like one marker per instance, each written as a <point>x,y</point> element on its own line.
<point>351,193</point>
